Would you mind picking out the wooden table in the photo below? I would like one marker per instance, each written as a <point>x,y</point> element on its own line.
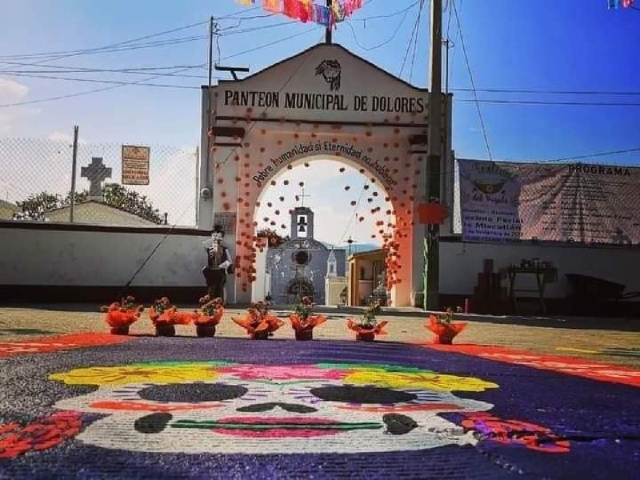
<point>543,276</point>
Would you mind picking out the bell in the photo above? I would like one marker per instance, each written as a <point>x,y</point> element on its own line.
<point>302,228</point>
<point>302,221</point>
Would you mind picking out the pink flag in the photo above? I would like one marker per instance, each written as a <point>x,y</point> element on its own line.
<point>272,6</point>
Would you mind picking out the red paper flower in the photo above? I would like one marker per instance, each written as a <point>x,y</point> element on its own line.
<point>43,434</point>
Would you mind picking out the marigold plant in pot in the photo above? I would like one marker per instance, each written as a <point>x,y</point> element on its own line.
<point>368,327</point>
<point>443,327</point>
<point>165,317</point>
<point>209,316</point>
<point>258,322</point>
<point>121,315</point>
<point>302,320</point>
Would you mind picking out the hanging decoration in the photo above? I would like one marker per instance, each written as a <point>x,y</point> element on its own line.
<point>308,11</point>
<point>613,4</point>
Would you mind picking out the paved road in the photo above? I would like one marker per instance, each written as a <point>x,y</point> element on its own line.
<point>82,406</point>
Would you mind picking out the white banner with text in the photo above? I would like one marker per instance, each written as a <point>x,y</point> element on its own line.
<point>593,204</point>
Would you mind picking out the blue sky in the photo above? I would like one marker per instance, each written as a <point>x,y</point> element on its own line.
<point>540,45</point>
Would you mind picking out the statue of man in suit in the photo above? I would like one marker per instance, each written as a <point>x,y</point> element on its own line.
<point>219,264</point>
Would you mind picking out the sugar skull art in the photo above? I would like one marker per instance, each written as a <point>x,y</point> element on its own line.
<point>229,408</point>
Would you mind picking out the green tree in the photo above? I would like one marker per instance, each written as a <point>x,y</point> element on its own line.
<point>113,194</point>
<point>274,239</point>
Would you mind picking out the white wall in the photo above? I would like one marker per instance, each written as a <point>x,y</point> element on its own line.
<point>262,285</point>
<point>460,264</point>
<point>60,257</point>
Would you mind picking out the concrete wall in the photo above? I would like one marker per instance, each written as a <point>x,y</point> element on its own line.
<point>30,256</point>
<point>101,258</point>
<point>333,289</point>
<point>460,264</point>
<point>261,286</point>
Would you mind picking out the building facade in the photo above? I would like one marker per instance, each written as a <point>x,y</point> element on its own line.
<point>300,266</point>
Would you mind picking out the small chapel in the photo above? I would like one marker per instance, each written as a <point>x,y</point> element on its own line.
<point>300,266</point>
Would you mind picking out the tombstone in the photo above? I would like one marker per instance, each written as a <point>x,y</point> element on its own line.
<point>96,173</point>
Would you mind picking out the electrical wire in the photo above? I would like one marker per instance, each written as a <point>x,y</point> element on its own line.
<point>391,15</point>
<point>592,155</point>
<point>145,80</point>
<point>64,54</point>
<point>473,86</point>
<point>543,102</point>
<point>415,46</point>
<point>550,92</point>
<point>405,12</point>
<point>107,82</point>
<point>221,164</point>
<point>413,40</point>
<point>88,92</point>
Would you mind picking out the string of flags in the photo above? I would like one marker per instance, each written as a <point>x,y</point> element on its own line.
<point>620,3</point>
<point>309,11</point>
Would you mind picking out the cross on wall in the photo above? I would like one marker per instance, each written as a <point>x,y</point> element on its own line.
<point>96,173</point>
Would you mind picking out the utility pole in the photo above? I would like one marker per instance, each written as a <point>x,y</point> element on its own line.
<point>74,164</point>
<point>328,34</point>
<point>434,158</point>
<point>197,190</point>
<point>208,156</point>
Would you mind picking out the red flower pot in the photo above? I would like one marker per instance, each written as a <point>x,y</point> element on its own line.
<point>205,330</point>
<point>262,335</point>
<point>444,332</point>
<point>365,336</point>
<point>165,330</point>
<point>304,335</point>
<point>121,330</point>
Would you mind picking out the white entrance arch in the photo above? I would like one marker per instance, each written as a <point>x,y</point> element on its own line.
<point>294,111</point>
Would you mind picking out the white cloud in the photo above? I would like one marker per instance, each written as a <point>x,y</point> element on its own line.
<point>65,137</point>
<point>10,92</point>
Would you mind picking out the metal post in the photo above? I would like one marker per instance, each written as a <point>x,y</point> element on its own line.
<point>208,181</point>
<point>197,185</point>
<point>74,164</point>
<point>328,34</point>
<point>434,157</point>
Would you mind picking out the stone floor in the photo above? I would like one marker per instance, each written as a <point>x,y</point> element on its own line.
<point>614,341</point>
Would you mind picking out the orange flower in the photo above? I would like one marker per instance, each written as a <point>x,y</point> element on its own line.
<point>300,324</point>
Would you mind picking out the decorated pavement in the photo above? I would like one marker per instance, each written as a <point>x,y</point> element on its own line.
<point>101,406</point>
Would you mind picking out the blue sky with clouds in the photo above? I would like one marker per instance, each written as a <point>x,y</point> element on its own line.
<point>540,46</point>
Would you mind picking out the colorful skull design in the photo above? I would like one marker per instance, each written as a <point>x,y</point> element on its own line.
<point>218,407</point>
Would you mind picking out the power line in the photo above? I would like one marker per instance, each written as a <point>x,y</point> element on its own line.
<point>543,102</point>
<point>79,94</point>
<point>306,32</point>
<point>550,92</point>
<point>134,40</point>
<point>390,15</point>
<point>142,82</point>
<point>413,41</point>
<point>473,86</point>
<point>117,47</point>
<point>404,13</point>
<point>156,44</point>
<point>74,69</point>
<point>581,157</point>
<point>108,82</point>
<point>599,154</point>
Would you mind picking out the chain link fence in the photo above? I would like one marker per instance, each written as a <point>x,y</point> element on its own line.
<point>36,182</point>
